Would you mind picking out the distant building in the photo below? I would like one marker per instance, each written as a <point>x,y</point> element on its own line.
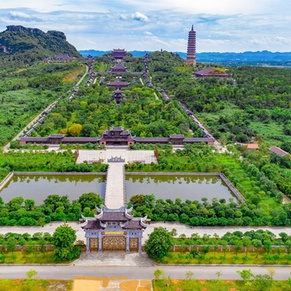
<point>212,72</point>
<point>118,54</point>
<point>278,151</point>
<point>251,146</point>
<point>191,49</point>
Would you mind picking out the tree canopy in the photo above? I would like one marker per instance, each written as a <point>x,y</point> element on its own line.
<point>159,243</point>
<point>63,239</point>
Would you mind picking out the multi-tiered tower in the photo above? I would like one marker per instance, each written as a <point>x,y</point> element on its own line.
<point>191,49</point>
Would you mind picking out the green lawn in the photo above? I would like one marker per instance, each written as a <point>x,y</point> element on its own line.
<point>29,258</point>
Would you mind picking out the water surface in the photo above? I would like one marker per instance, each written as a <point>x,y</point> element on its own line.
<point>38,187</point>
<point>172,187</point>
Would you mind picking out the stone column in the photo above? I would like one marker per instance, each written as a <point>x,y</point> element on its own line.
<point>127,243</point>
<point>100,241</point>
<point>140,242</point>
<point>87,244</point>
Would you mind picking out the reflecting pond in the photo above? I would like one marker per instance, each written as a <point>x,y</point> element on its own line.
<point>183,187</point>
<point>38,187</point>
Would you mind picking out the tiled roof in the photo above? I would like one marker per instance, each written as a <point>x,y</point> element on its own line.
<point>134,224</point>
<point>198,139</point>
<point>81,139</point>
<point>211,72</point>
<point>251,145</point>
<point>113,216</point>
<point>278,151</point>
<point>93,224</point>
<point>177,136</point>
<point>56,135</point>
<point>151,139</point>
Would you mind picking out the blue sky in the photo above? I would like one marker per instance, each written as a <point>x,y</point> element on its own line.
<point>221,25</point>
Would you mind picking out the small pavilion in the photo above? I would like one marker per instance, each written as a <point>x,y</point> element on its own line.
<point>113,230</point>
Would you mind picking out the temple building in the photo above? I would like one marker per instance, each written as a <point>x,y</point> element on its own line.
<point>212,72</point>
<point>118,84</point>
<point>118,54</point>
<point>118,68</point>
<point>119,137</point>
<point>191,49</point>
<point>117,96</point>
<point>113,230</point>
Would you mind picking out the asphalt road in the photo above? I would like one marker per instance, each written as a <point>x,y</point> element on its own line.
<point>175,272</point>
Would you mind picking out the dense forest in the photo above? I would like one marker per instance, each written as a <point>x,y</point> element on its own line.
<point>28,91</point>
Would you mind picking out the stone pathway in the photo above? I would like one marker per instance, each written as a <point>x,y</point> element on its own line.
<point>114,194</point>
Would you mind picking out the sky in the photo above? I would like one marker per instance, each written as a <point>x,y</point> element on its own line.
<point>221,25</point>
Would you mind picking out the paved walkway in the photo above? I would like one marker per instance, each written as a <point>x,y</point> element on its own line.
<point>113,259</point>
<point>114,194</point>
<point>143,156</point>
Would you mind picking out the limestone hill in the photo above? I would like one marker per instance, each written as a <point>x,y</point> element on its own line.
<point>27,45</point>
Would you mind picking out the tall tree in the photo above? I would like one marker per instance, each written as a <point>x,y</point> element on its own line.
<point>63,240</point>
<point>159,243</point>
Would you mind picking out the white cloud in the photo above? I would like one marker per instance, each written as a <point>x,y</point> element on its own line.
<point>148,33</point>
<point>139,17</point>
<point>22,17</point>
<point>123,17</point>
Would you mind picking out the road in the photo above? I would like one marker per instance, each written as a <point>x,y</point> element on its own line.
<point>200,272</point>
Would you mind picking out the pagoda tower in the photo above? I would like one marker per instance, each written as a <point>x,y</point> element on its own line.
<point>191,49</point>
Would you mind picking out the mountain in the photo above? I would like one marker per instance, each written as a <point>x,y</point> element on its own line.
<point>227,58</point>
<point>31,44</point>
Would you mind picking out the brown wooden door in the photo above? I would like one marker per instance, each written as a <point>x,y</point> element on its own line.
<point>93,244</point>
<point>114,243</point>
